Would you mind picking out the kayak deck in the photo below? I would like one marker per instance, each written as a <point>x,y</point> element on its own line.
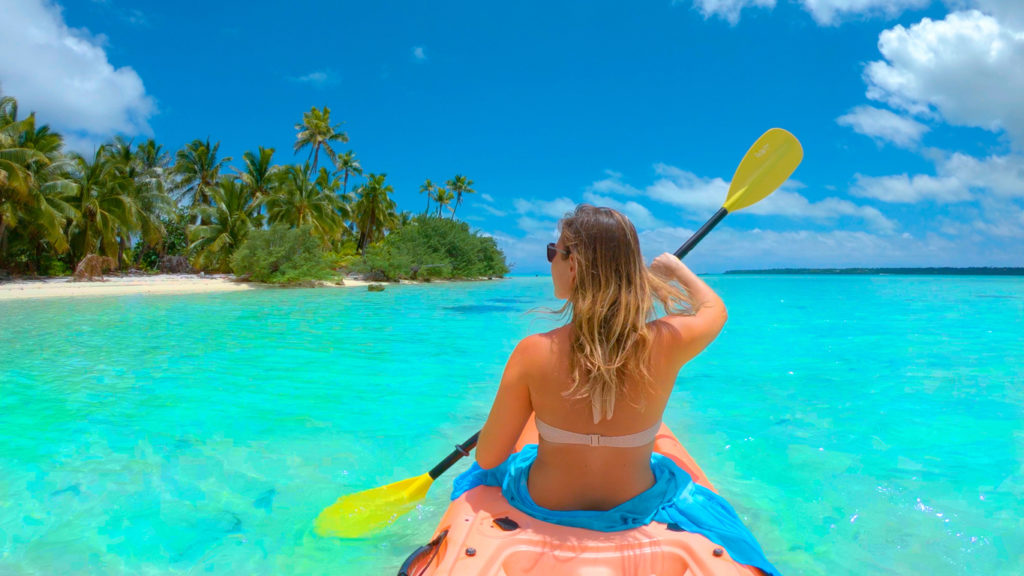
<point>482,534</point>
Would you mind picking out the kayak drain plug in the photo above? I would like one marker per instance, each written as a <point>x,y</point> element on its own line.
<point>718,552</point>
<point>507,524</point>
<point>470,551</point>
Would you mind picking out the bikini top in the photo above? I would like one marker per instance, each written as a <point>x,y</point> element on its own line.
<point>559,436</point>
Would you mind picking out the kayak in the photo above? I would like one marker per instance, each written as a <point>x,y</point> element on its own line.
<point>481,534</point>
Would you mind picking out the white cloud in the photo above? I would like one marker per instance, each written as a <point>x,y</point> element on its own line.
<point>829,12</point>
<point>613,185</point>
<point>884,125</point>
<point>487,197</point>
<point>637,213</point>
<point>546,208</point>
<point>317,78</point>
<point>493,210</point>
<point>999,176</point>
<point>904,189</point>
<point>1006,11</point>
<point>793,205</point>
<point>959,178</point>
<point>824,12</point>
<point>966,68</point>
<point>687,190</point>
<point>64,75</point>
<point>728,10</point>
<point>701,197</point>
<point>418,54</point>
<point>728,248</point>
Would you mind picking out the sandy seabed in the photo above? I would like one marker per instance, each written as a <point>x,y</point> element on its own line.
<point>119,286</point>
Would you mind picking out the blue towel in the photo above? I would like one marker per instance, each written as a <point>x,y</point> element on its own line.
<point>674,499</point>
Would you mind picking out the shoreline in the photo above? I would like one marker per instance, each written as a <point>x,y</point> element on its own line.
<point>64,287</point>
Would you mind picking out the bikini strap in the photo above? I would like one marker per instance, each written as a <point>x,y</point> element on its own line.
<point>558,436</point>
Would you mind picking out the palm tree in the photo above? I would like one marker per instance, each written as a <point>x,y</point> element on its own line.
<point>427,188</point>
<point>300,201</point>
<point>327,183</point>
<point>198,170</point>
<point>230,218</point>
<point>374,210</point>
<point>460,185</point>
<point>103,204</point>
<point>347,163</point>
<point>443,198</point>
<point>145,187</point>
<point>259,176</point>
<point>316,131</point>
<point>31,179</point>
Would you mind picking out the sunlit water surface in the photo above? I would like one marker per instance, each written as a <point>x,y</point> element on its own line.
<point>861,425</point>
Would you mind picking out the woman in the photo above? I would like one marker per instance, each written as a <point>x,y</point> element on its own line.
<point>609,371</point>
<point>599,386</point>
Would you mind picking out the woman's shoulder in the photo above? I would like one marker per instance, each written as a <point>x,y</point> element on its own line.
<point>541,348</point>
<point>544,341</point>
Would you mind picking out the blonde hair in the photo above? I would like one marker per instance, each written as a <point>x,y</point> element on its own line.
<point>610,305</point>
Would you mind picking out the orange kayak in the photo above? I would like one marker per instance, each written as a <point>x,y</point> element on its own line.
<point>481,534</point>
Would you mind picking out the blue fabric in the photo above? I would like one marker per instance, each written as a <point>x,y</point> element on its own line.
<point>674,499</point>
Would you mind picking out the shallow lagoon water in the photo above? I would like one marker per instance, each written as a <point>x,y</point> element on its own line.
<point>870,425</point>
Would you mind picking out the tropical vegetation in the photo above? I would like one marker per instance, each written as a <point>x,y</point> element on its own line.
<point>144,206</point>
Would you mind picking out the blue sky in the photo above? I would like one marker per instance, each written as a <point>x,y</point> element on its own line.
<point>909,111</point>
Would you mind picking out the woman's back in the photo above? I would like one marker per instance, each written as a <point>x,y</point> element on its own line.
<point>570,476</point>
<point>608,373</point>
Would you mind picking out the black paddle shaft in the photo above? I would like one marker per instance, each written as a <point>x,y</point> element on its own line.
<point>700,234</point>
<point>456,455</point>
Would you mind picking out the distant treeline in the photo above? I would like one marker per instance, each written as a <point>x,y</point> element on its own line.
<point>977,271</point>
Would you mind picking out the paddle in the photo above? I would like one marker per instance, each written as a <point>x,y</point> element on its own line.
<point>357,514</point>
<point>767,164</point>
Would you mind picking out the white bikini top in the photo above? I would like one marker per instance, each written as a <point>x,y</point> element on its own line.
<point>559,436</point>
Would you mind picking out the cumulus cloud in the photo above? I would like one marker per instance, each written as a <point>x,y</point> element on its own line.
<point>64,75</point>
<point>824,12</point>
<point>636,212</point>
<point>419,54</point>
<point>959,178</point>
<point>884,125</point>
<point>967,69</point>
<point>701,197</point>
<point>316,78</point>
<point>613,184</point>
<point>904,189</point>
<point>728,10</point>
<point>829,12</point>
<point>1006,11</point>
<point>493,211</point>
<point>554,209</point>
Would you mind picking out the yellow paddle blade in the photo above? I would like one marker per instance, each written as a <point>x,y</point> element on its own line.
<point>359,514</point>
<point>767,164</point>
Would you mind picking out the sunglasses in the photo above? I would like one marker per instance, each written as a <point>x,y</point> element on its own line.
<point>553,249</point>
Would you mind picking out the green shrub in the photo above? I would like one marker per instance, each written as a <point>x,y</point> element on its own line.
<point>282,255</point>
<point>432,248</point>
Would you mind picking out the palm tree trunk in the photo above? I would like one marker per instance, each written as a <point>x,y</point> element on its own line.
<point>3,239</point>
<point>38,262</point>
<point>121,242</point>
<point>344,186</point>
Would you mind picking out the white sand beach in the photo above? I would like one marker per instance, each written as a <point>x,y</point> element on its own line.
<point>118,286</point>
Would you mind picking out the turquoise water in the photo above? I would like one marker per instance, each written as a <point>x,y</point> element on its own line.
<point>869,425</point>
